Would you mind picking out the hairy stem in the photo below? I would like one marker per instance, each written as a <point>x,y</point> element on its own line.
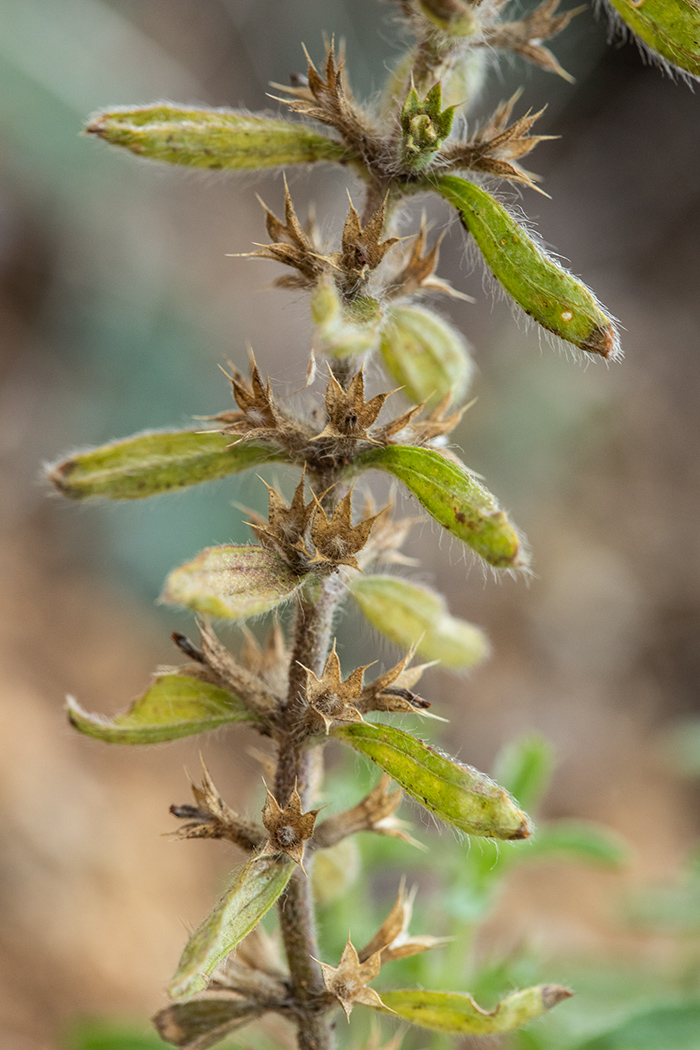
<point>312,633</point>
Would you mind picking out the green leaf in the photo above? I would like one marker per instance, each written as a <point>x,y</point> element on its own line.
<point>457,794</point>
<point>579,840</point>
<point>205,1020</point>
<point>214,138</point>
<point>674,1027</point>
<point>412,615</point>
<point>176,705</point>
<point>450,1012</point>
<point>232,581</point>
<point>152,463</point>
<point>524,767</point>
<point>454,497</point>
<point>541,286</point>
<point>253,890</point>
<point>669,28</point>
<point>425,355</point>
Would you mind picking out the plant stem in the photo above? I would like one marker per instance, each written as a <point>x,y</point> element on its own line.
<point>312,633</point>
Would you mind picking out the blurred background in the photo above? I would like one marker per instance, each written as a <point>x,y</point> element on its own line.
<point>117,303</point>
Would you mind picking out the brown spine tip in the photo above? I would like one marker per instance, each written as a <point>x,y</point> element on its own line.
<point>553,994</point>
<point>605,342</point>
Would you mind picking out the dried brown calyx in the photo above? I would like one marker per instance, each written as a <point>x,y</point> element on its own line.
<point>326,97</point>
<point>362,249</point>
<point>286,528</point>
<point>293,245</point>
<point>406,429</point>
<point>336,540</point>
<point>289,827</point>
<point>497,146</point>
<point>393,691</point>
<point>387,536</point>
<point>348,981</point>
<point>525,36</point>
<point>348,414</point>
<point>331,699</point>
<point>392,940</point>
<point>211,818</point>
<point>376,812</point>
<point>418,272</point>
<point>217,665</point>
<point>269,662</point>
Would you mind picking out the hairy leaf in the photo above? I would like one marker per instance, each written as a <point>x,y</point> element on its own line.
<point>541,286</point>
<point>454,497</point>
<point>458,794</point>
<point>232,581</point>
<point>412,615</point>
<point>213,138</point>
<point>152,463</point>
<point>174,706</point>
<point>449,1012</point>
<point>669,28</point>
<point>253,890</point>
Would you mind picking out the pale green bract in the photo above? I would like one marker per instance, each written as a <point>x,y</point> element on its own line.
<point>175,706</point>
<point>152,463</point>
<point>232,581</point>
<point>214,138</point>
<point>426,356</point>
<point>546,291</point>
<point>253,890</point>
<point>454,498</point>
<point>457,794</point>
<point>414,616</point>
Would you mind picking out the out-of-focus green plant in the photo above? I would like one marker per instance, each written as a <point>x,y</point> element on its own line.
<point>326,543</point>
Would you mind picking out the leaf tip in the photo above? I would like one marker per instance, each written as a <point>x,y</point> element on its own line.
<point>553,994</point>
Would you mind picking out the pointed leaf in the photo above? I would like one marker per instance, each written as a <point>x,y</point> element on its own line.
<point>454,497</point>
<point>425,355</point>
<point>541,286</point>
<point>253,890</point>
<point>174,706</point>
<point>204,1021</point>
<point>214,138</point>
<point>232,581</point>
<point>449,1012</point>
<point>412,615</point>
<point>669,28</point>
<point>457,794</point>
<point>152,463</point>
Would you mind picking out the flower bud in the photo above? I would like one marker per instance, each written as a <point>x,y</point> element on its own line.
<point>424,126</point>
<point>669,28</point>
<point>426,355</point>
<point>213,138</point>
